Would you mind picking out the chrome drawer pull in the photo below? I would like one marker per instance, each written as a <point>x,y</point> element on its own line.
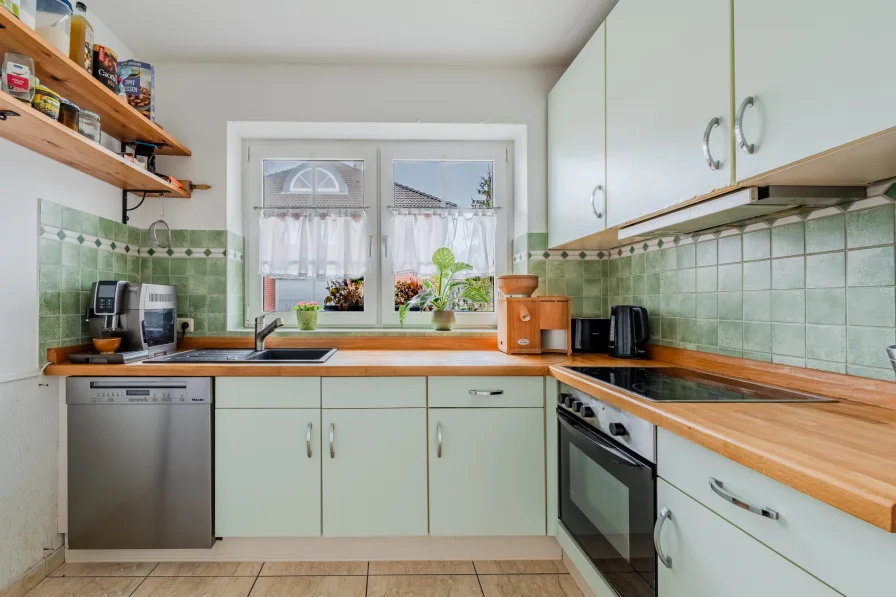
<point>665,514</point>
<point>739,126</point>
<point>308,440</point>
<point>713,163</point>
<point>718,487</point>
<point>486,392</point>
<point>332,439</point>
<point>439,439</point>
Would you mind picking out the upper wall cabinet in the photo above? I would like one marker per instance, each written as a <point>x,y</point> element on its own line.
<point>819,73</point>
<point>668,102</point>
<point>576,174</point>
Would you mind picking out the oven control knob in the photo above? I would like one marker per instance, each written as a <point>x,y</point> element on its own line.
<point>617,429</point>
<point>587,412</point>
<point>568,400</point>
<point>561,398</point>
<point>576,405</point>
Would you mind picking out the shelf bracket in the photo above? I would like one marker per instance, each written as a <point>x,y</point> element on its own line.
<point>124,200</point>
<point>4,114</point>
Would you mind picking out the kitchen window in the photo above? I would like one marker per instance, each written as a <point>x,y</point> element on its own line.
<point>323,222</point>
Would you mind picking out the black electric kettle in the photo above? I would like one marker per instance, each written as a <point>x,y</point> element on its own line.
<point>629,332</point>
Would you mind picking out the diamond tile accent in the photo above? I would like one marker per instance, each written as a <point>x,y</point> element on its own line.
<point>169,252</point>
<point>619,252</point>
<point>114,246</point>
<point>60,234</point>
<point>208,253</point>
<point>189,252</point>
<point>600,255</point>
<point>545,254</point>
<point>98,243</point>
<point>645,247</point>
<point>127,248</point>
<point>151,252</point>
<point>631,250</point>
<point>582,255</point>
<point>676,240</point>
<point>564,254</point>
<point>660,243</point>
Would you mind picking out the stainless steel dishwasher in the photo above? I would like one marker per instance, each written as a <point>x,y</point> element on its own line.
<point>139,463</point>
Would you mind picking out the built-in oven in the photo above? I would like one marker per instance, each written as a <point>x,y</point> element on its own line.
<point>608,490</point>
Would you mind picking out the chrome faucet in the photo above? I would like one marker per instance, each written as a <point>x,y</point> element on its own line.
<point>262,331</point>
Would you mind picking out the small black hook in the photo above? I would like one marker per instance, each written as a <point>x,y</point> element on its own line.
<point>4,114</point>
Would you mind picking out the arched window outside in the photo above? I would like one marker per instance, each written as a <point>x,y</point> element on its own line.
<point>328,182</point>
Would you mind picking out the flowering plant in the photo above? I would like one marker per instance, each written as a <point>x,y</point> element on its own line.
<point>307,307</point>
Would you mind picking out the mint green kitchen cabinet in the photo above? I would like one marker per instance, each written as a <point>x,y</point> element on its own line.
<point>374,472</point>
<point>706,556</point>
<point>668,94</point>
<point>486,471</point>
<point>267,472</point>
<point>576,165</point>
<point>810,75</point>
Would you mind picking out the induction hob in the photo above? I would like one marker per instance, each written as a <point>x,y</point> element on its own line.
<point>676,384</point>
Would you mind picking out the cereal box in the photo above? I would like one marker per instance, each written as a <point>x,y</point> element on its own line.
<point>139,80</point>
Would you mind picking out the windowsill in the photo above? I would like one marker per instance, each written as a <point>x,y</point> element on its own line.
<point>379,332</point>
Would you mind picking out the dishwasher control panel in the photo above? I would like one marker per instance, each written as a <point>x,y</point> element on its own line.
<point>139,390</point>
<point>156,395</point>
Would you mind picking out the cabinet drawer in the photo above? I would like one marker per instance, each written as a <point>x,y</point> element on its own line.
<point>374,392</point>
<point>849,554</point>
<point>486,392</point>
<point>267,392</point>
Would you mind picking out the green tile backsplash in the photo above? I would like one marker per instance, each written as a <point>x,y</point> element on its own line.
<point>76,249</point>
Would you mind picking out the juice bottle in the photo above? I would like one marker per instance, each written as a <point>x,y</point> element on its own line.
<point>81,49</point>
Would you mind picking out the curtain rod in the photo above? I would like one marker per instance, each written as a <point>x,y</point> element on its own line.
<point>258,208</point>
<point>394,209</point>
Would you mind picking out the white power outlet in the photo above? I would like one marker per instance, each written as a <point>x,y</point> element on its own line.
<point>185,320</point>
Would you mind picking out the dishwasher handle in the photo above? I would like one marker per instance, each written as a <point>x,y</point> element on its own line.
<point>125,385</point>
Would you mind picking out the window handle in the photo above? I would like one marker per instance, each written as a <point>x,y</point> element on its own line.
<point>370,247</point>
<point>386,245</point>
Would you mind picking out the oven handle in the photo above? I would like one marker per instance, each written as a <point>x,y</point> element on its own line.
<point>614,453</point>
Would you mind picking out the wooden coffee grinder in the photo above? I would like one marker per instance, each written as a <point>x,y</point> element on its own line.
<point>531,325</point>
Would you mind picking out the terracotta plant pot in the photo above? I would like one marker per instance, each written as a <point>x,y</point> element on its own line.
<point>443,321</point>
<point>307,320</point>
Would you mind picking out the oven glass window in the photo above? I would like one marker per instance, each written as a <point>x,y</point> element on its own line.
<point>602,498</point>
<point>158,327</point>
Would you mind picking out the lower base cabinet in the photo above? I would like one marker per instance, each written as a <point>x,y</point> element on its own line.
<point>486,471</point>
<point>267,473</point>
<point>374,472</point>
<point>710,557</point>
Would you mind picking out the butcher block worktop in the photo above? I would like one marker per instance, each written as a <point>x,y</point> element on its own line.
<point>843,454</point>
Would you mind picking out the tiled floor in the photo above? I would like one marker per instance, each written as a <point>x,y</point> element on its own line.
<point>312,579</point>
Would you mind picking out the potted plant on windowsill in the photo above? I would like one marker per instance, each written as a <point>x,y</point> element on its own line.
<point>345,295</point>
<point>443,291</point>
<point>306,313</point>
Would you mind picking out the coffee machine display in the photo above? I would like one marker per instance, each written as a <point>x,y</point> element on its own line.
<point>629,332</point>
<point>144,316</point>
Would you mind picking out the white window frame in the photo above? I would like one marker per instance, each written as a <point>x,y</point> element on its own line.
<point>378,156</point>
<point>497,152</point>
<point>253,194</point>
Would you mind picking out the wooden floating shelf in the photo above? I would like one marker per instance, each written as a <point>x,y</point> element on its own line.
<point>59,73</point>
<point>38,132</point>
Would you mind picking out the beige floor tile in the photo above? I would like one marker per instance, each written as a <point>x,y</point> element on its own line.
<point>314,569</point>
<point>310,586</point>
<point>422,567</point>
<point>530,585</point>
<point>86,587</point>
<point>104,569</point>
<point>207,569</point>
<point>195,586</point>
<point>423,586</point>
<point>520,567</point>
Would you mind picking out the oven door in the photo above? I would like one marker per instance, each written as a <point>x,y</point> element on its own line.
<point>608,505</point>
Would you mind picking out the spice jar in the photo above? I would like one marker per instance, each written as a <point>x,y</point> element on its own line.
<point>46,101</point>
<point>89,125</point>
<point>68,114</point>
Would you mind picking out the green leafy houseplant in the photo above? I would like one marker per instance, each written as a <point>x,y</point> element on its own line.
<point>443,291</point>
<point>306,313</point>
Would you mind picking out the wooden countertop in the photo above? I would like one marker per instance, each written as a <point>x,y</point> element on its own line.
<point>843,454</point>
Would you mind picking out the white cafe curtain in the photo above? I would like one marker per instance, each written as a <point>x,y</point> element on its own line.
<point>304,244</point>
<point>417,233</point>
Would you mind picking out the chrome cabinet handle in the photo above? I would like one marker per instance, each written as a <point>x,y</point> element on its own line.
<point>439,439</point>
<point>719,488</point>
<point>370,247</point>
<point>599,214</point>
<point>739,126</point>
<point>332,439</point>
<point>712,163</point>
<point>308,440</point>
<point>386,246</point>
<point>487,392</point>
<point>665,514</point>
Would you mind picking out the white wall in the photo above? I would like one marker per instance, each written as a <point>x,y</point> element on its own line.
<point>196,101</point>
<point>29,412</point>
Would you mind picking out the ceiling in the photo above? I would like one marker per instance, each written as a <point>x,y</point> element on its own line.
<point>463,32</point>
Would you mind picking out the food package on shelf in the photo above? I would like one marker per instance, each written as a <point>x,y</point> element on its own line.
<point>139,80</point>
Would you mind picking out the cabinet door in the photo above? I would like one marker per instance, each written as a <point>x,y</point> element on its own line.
<point>488,476</point>
<point>668,77</point>
<point>711,557</point>
<point>819,73</point>
<point>266,484</point>
<point>576,165</point>
<point>374,476</point>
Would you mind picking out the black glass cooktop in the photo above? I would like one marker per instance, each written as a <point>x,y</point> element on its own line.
<point>675,384</point>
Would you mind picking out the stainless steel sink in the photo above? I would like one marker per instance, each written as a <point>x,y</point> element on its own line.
<point>270,355</point>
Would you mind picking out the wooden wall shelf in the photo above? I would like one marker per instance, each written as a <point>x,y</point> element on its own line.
<point>47,137</point>
<point>57,72</point>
